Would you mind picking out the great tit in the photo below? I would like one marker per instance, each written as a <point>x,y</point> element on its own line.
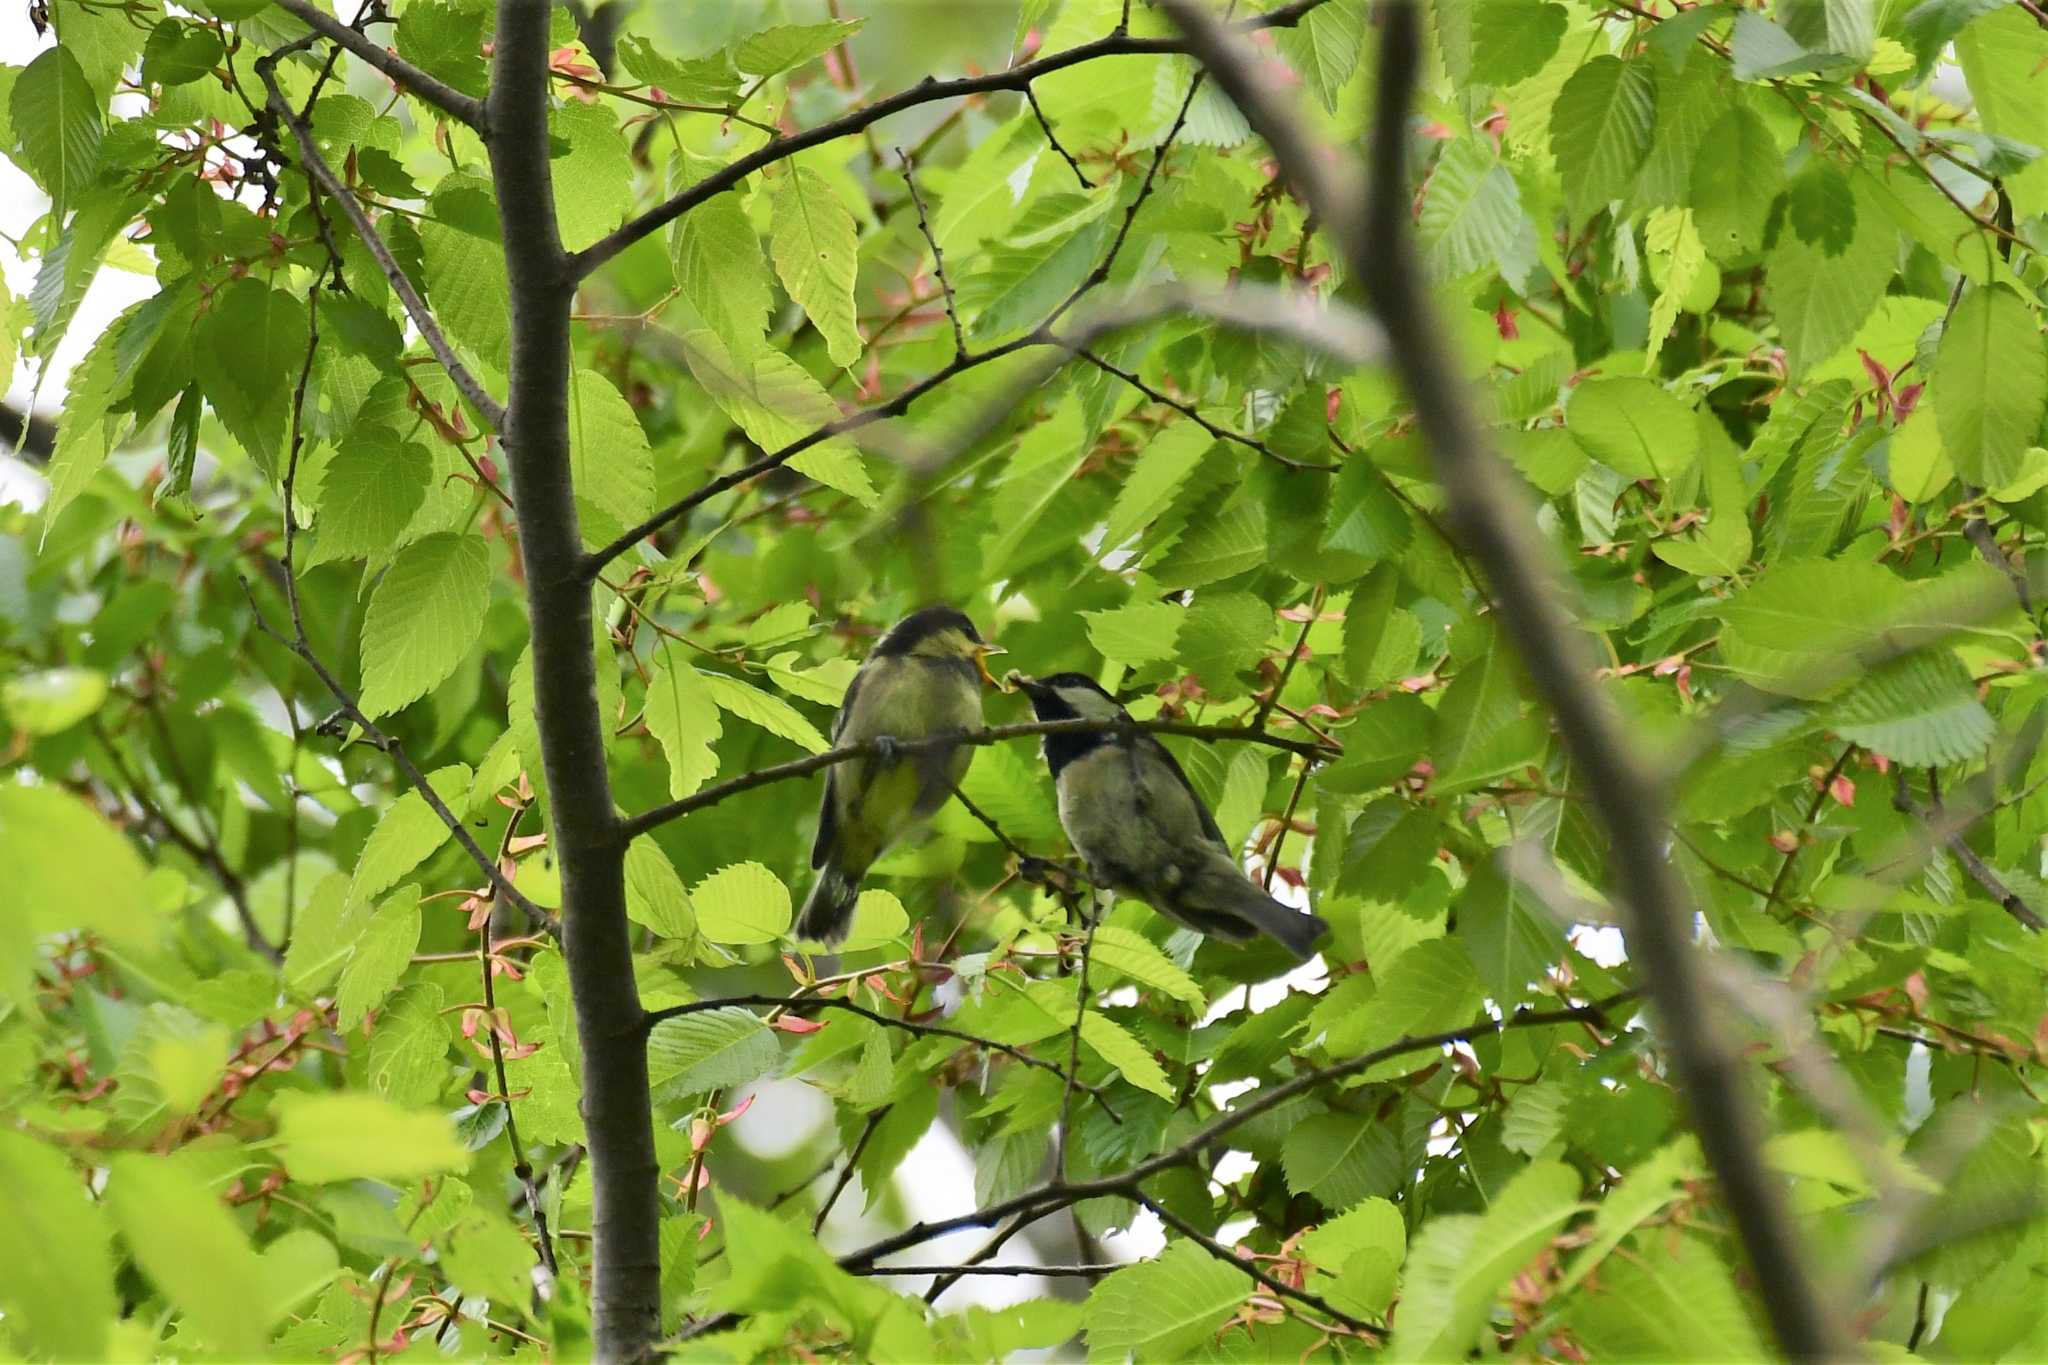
<point>1138,825</point>
<point>924,678</point>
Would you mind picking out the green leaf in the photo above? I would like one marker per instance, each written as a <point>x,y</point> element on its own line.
<point>424,616</point>
<point>409,1048</point>
<point>1458,1264</point>
<point>1341,1159</point>
<point>1737,176</point>
<point>1216,547</point>
<point>1991,385</point>
<point>1472,216</point>
<point>721,269</point>
<point>1149,489</point>
<point>1114,1044</point>
<point>742,903</point>
<point>323,935</point>
<point>87,429</point>
<point>1600,131</point>
<point>1921,711</point>
<point>1846,28</point>
<point>609,458</point>
<point>710,79</point>
<point>655,895</point>
<point>1822,298</point>
<point>382,953</point>
<point>764,709</point>
<point>1021,286</point>
<point>594,182</point>
<point>51,700</point>
<point>57,117</point>
<point>57,1264</point>
<point>814,243</point>
<point>465,266</point>
<point>191,1247</point>
<point>1134,635</point>
<point>178,53</point>
<point>713,1050</point>
<point>1381,745</point>
<point>407,835</point>
<point>1162,1309</point>
<point>1634,427</point>
<point>1323,48</point>
<point>363,1137</point>
<point>1673,1300</point>
<point>369,493</point>
<point>777,49</point>
<point>1132,955</point>
<point>682,715</point>
<point>1511,936</point>
<point>1764,51</point>
<point>1223,635</point>
<point>1816,606</point>
<point>67,870</point>
<point>1513,39</point>
<point>247,351</point>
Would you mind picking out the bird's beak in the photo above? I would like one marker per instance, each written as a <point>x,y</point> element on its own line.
<point>981,656</point>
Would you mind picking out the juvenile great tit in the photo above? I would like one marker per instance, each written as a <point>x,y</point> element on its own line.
<point>1131,814</point>
<point>923,678</point>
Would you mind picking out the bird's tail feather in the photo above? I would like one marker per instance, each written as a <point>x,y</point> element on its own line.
<point>1295,931</point>
<point>828,910</point>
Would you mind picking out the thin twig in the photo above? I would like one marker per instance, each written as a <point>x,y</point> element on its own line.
<point>1813,811</point>
<point>1061,1138</point>
<point>1256,1271</point>
<point>924,226</point>
<point>1045,124</point>
<point>521,1167</point>
<point>860,1145</point>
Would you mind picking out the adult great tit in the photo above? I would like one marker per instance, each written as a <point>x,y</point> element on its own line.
<point>922,679</point>
<point>1131,814</point>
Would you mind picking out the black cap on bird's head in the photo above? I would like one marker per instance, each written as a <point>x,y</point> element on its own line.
<point>1066,696</point>
<point>938,633</point>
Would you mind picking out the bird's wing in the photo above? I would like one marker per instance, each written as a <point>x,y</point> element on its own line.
<point>828,810</point>
<point>1152,749</point>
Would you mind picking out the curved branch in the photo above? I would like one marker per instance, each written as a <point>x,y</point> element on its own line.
<point>407,77</point>
<point>639,824</point>
<point>1018,78</point>
<point>1373,234</point>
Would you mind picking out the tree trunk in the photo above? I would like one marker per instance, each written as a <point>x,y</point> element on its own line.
<point>617,1113</point>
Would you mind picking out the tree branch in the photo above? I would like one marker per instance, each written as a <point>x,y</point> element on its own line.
<point>466,383</point>
<point>1017,78</point>
<point>639,824</point>
<point>617,1108</point>
<point>407,77</point>
<point>1980,871</point>
<point>1372,235</point>
<point>1049,1197</point>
